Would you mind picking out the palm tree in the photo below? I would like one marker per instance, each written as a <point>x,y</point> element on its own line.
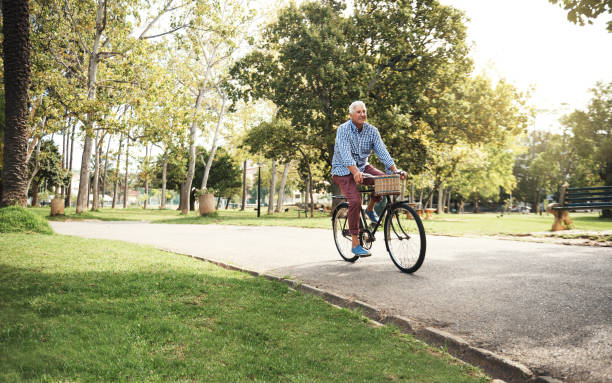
<point>16,55</point>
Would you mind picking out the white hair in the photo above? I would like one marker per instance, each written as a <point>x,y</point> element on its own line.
<point>354,104</point>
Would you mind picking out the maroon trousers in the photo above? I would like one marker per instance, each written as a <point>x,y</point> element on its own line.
<point>349,189</point>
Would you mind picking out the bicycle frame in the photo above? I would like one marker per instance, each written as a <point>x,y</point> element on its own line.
<point>388,206</point>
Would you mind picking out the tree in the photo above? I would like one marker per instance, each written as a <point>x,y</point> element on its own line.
<point>45,165</point>
<point>487,169</point>
<point>225,175</point>
<point>205,52</point>
<point>397,56</point>
<point>279,140</point>
<point>592,133</point>
<point>16,60</point>
<point>581,11</point>
<point>90,40</point>
<point>305,64</point>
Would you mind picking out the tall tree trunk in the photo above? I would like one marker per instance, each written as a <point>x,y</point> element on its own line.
<point>105,170</point>
<point>310,192</point>
<point>36,166</point>
<point>441,198</point>
<point>88,194</point>
<point>64,159</point>
<point>421,199</point>
<point>127,164</point>
<point>211,155</point>
<point>448,204</point>
<point>181,196</point>
<point>244,186</point>
<point>146,185</point>
<point>227,202</point>
<point>306,194</point>
<point>82,198</point>
<point>164,176</point>
<point>218,202</point>
<point>193,131</point>
<point>69,193</point>
<point>16,61</point>
<point>116,183</point>
<point>192,200</point>
<point>536,204</point>
<point>35,187</point>
<point>95,205</point>
<point>281,189</point>
<point>412,191</point>
<point>272,189</point>
<point>476,202</point>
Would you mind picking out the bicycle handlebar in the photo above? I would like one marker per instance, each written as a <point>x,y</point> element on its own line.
<point>367,175</point>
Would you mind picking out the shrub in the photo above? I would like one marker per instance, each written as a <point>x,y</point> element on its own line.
<point>15,219</point>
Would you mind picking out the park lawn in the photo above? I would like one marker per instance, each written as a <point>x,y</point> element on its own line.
<point>222,216</point>
<point>108,214</point>
<point>514,223</point>
<point>75,309</point>
<point>445,224</point>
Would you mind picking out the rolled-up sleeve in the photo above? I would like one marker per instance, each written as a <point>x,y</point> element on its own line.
<point>381,151</point>
<point>343,147</point>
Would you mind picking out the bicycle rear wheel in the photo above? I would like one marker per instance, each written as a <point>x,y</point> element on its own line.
<point>405,238</point>
<point>342,237</point>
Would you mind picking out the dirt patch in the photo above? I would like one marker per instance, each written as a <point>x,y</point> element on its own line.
<point>567,237</point>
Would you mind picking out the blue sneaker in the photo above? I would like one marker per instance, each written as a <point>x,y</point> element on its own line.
<point>372,215</point>
<point>360,251</point>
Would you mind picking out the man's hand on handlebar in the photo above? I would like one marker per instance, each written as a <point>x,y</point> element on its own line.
<point>358,177</point>
<point>401,173</point>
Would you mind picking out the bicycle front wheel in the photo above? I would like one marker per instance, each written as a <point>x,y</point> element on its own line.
<point>405,238</point>
<point>342,236</point>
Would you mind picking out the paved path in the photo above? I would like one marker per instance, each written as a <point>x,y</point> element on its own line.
<point>546,306</point>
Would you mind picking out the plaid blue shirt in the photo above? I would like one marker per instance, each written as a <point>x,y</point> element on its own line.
<point>353,148</point>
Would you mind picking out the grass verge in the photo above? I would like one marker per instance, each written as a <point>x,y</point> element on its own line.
<point>73,309</point>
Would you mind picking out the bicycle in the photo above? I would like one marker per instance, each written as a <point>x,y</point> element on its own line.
<point>403,229</point>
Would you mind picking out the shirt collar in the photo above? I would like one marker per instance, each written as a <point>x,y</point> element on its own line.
<point>354,127</point>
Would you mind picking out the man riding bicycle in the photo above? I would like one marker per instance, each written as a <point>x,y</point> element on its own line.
<point>355,140</point>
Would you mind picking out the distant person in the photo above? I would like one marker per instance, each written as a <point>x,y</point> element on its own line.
<point>355,140</point>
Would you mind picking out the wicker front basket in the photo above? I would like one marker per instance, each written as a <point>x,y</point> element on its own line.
<point>387,185</point>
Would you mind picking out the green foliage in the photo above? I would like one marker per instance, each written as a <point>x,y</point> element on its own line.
<point>584,11</point>
<point>314,61</point>
<point>592,131</point>
<point>15,219</point>
<point>48,163</point>
<point>225,174</point>
<point>580,156</point>
<point>483,171</point>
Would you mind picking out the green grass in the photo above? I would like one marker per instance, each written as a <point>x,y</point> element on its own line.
<point>82,310</point>
<point>445,224</point>
<point>228,217</point>
<point>15,219</point>
<point>492,224</point>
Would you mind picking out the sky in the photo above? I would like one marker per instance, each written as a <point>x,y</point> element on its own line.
<point>530,43</point>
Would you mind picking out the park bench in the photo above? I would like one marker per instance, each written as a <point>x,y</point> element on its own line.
<point>599,197</point>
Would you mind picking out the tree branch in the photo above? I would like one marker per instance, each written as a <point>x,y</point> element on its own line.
<point>164,10</point>
<point>74,26</point>
<point>164,33</point>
